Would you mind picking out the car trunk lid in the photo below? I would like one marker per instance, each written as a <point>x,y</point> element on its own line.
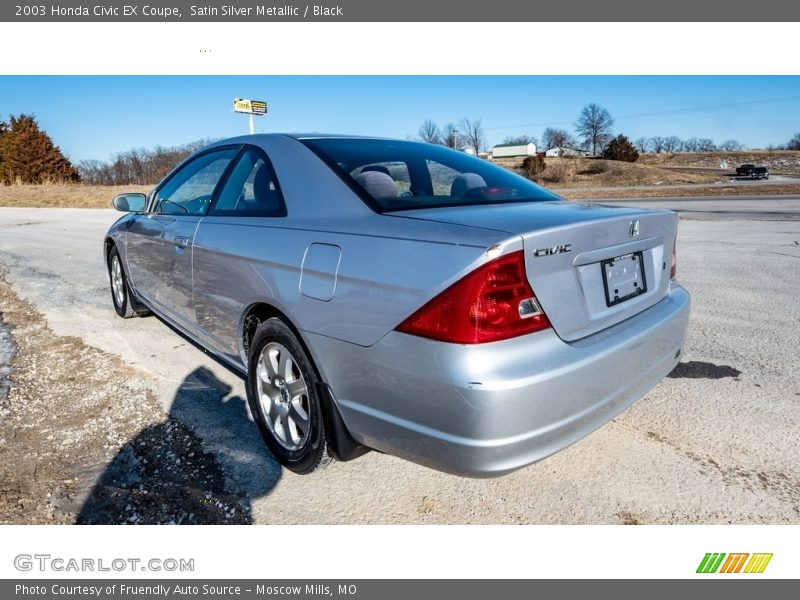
<point>590,265</point>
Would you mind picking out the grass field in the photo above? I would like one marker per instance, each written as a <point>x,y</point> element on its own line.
<point>588,172</point>
<point>64,196</point>
<point>779,162</point>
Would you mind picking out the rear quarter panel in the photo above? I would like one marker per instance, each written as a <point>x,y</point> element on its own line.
<point>382,277</point>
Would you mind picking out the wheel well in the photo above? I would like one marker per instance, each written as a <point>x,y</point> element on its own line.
<point>257,314</point>
<point>342,444</point>
<point>109,243</point>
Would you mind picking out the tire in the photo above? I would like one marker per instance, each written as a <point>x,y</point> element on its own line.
<point>282,388</point>
<point>120,290</point>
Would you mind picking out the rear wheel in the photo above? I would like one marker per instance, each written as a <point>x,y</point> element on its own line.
<point>282,389</point>
<point>120,292</point>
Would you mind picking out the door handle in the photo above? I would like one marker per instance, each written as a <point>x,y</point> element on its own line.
<point>181,241</point>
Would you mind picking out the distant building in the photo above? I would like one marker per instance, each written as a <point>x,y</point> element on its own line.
<point>565,151</point>
<point>512,150</point>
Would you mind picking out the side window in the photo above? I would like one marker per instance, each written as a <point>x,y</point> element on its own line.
<point>189,191</point>
<point>251,189</point>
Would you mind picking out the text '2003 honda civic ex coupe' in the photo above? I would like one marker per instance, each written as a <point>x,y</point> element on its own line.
<point>404,297</point>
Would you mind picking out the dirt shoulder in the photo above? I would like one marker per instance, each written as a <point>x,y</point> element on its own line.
<point>83,439</point>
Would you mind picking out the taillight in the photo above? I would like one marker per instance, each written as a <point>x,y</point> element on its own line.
<point>492,303</point>
<point>674,268</point>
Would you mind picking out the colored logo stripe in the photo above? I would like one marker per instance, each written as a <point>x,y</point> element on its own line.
<point>733,564</point>
<point>758,563</point>
<point>710,563</point>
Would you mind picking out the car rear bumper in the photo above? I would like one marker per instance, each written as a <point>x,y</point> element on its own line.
<point>488,409</point>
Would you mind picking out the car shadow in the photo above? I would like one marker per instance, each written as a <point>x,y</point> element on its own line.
<point>202,465</point>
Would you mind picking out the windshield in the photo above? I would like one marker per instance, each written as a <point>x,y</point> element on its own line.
<point>397,175</point>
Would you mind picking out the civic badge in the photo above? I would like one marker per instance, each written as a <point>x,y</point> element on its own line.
<point>633,230</point>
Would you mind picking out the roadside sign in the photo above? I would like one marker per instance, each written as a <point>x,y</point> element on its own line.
<point>250,107</point>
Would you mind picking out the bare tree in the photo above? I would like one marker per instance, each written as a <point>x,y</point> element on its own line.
<point>594,126</point>
<point>137,166</point>
<point>794,143</point>
<point>691,145</point>
<point>706,145</point>
<point>471,131</point>
<point>730,146</point>
<point>450,136</point>
<point>520,140</point>
<point>555,138</point>
<point>672,144</point>
<point>657,144</point>
<point>429,132</point>
<point>642,145</point>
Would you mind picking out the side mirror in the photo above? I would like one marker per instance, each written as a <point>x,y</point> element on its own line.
<point>133,202</point>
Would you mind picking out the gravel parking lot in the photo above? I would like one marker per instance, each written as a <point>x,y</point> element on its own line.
<point>158,431</point>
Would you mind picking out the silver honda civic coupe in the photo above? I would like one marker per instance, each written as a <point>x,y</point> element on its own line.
<point>403,297</point>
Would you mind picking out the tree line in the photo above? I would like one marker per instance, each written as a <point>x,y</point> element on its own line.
<point>29,156</point>
<point>137,166</point>
<point>593,132</point>
<point>468,133</point>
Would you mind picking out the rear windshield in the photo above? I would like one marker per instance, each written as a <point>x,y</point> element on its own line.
<point>397,175</point>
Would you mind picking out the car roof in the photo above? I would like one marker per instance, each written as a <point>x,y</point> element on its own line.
<point>255,138</point>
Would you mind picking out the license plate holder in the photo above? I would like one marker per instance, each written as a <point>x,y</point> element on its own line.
<point>623,277</point>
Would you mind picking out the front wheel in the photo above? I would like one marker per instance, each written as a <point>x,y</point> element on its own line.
<point>282,390</point>
<point>120,293</point>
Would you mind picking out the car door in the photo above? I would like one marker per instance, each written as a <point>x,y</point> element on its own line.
<point>236,248</point>
<point>159,242</point>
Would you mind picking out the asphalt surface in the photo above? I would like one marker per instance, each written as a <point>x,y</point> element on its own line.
<point>717,442</point>
<point>726,182</point>
<point>760,208</point>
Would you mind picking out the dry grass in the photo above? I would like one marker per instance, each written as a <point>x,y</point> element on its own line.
<point>778,161</point>
<point>64,196</point>
<point>588,172</point>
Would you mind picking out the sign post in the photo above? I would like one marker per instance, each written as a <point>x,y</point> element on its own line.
<point>250,108</point>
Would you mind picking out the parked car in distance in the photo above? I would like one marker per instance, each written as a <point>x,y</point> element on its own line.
<point>404,297</point>
<point>752,171</point>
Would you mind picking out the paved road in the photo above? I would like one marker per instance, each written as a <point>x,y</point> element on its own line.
<point>727,183</point>
<point>777,208</point>
<point>717,443</point>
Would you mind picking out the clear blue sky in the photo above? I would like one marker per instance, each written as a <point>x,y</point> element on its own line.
<point>96,116</point>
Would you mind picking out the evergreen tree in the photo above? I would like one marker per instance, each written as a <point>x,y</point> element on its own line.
<point>620,148</point>
<point>28,155</point>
